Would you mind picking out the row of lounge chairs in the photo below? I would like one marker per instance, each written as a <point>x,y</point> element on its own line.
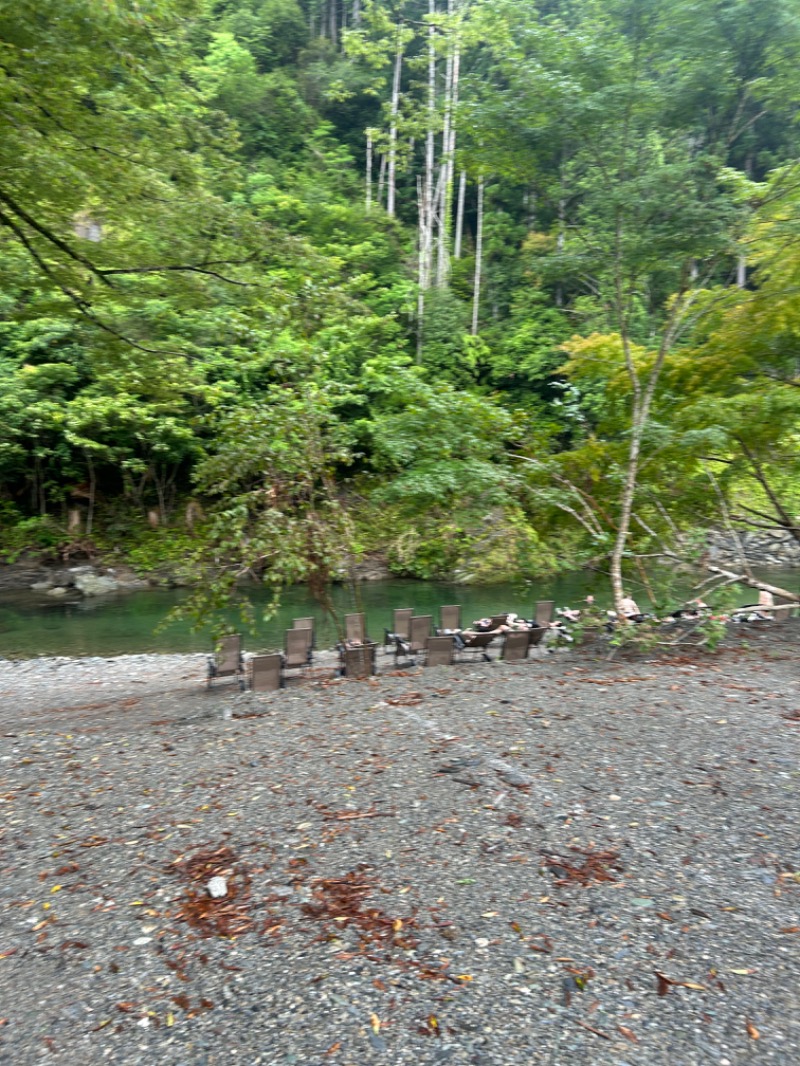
<point>412,639</point>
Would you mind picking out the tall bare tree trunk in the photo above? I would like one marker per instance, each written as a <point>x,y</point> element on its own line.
<point>560,240</point>
<point>356,16</point>
<point>332,20</point>
<point>368,203</point>
<point>381,179</point>
<point>476,292</point>
<point>425,197</point>
<point>398,66</point>
<point>449,152</point>
<point>427,216</point>
<point>462,190</point>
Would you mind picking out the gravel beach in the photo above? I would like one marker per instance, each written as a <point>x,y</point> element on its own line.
<point>563,861</point>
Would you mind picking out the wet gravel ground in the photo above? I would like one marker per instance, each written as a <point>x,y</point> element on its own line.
<point>563,861</point>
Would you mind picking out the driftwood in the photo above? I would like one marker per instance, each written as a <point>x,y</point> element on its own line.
<point>752,583</point>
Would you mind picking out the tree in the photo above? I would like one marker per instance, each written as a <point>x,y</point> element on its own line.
<point>650,222</point>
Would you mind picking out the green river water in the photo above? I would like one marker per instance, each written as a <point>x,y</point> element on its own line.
<point>34,624</point>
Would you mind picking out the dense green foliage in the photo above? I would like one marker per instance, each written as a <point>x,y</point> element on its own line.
<point>248,303</point>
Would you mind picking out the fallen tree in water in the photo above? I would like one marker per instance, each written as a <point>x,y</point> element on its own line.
<point>745,579</point>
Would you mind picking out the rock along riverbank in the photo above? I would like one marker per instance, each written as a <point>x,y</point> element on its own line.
<point>557,861</point>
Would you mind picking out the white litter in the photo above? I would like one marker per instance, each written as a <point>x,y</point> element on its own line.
<point>217,887</point>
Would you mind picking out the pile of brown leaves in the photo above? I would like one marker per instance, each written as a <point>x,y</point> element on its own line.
<point>228,916</point>
<point>595,867</point>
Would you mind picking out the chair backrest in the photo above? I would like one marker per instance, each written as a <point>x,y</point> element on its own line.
<point>401,624</point>
<point>229,655</point>
<point>439,651</point>
<point>535,636</point>
<point>360,661</point>
<point>478,640</point>
<point>544,612</point>
<point>355,627</point>
<point>450,617</point>
<point>305,623</point>
<point>419,630</point>
<point>515,646</point>
<point>266,672</point>
<point>298,647</point>
<point>498,620</point>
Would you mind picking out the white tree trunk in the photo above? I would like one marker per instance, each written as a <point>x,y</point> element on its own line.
<point>560,240</point>
<point>392,167</point>
<point>368,203</point>
<point>462,190</point>
<point>381,179</point>
<point>427,212</point>
<point>448,164</point>
<point>476,292</point>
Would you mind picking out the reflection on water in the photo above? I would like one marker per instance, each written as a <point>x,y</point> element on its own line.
<point>35,624</point>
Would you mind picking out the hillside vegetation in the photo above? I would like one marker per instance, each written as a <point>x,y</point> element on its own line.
<point>484,286</point>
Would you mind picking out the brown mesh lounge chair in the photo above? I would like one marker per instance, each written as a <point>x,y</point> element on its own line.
<point>266,672</point>
<point>305,623</point>
<point>477,642</point>
<point>439,651</point>
<point>419,631</point>
<point>227,661</point>
<point>355,628</point>
<point>298,649</point>
<point>515,646</point>
<point>359,661</point>
<point>450,617</point>
<point>535,636</point>
<point>401,626</point>
<point>544,613</point>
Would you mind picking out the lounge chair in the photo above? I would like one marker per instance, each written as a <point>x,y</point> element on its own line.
<point>536,635</point>
<point>544,613</point>
<point>298,652</point>
<point>419,629</point>
<point>305,623</point>
<point>401,626</point>
<point>227,661</point>
<point>477,642</point>
<point>358,661</point>
<point>266,672</point>
<point>355,628</point>
<point>450,617</point>
<point>439,651</point>
<point>515,646</point>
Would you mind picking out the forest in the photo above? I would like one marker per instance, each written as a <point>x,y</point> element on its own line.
<point>483,288</point>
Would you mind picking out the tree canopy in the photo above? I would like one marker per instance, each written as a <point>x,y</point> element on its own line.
<point>346,277</point>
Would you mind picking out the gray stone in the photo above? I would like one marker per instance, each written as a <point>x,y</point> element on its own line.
<point>91,584</point>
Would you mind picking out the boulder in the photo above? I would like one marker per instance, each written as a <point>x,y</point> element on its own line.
<point>91,584</point>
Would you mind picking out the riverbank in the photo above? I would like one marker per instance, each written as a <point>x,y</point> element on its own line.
<point>563,860</point>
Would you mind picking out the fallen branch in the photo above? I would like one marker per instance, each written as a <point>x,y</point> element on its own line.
<point>753,583</point>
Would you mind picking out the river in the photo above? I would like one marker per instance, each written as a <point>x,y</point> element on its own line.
<point>34,624</point>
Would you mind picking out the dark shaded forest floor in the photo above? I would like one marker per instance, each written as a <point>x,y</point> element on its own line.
<point>564,860</point>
